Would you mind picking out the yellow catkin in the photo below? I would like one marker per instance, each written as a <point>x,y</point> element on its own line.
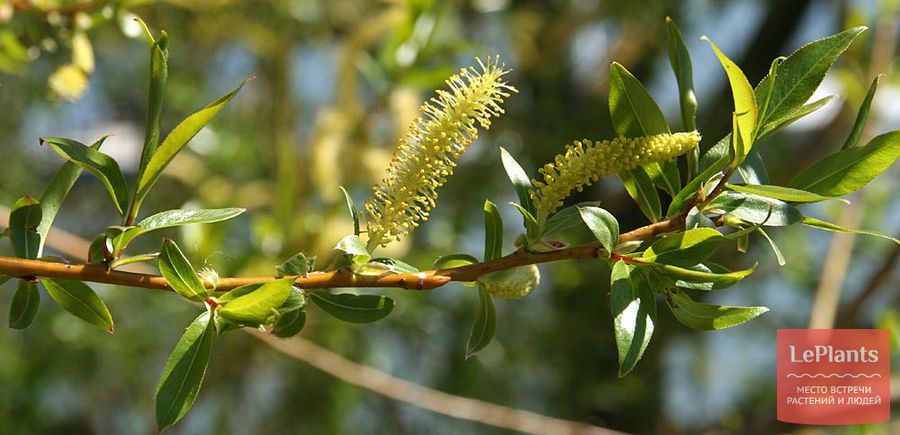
<point>424,159</point>
<point>586,161</point>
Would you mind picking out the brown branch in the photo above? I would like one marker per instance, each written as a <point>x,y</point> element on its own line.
<point>424,280</point>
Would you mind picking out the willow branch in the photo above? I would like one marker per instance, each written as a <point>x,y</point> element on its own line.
<point>424,280</point>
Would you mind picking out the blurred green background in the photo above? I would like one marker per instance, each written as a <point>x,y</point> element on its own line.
<point>336,84</point>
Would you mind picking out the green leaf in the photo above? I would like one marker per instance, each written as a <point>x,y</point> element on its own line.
<point>861,116</point>
<point>159,74</point>
<point>174,142</point>
<point>174,218</point>
<point>100,165</point>
<point>454,260</point>
<point>706,317</point>
<point>764,90</point>
<point>24,218</point>
<point>24,305</point>
<point>183,374</point>
<point>778,255</point>
<point>520,181</point>
<point>696,283</point>
<point>696,219</point>
<point>351,207</point>
<point>603,224</point>
<point>354,247</point>
<point>640,187</point>
<point>634,314</point>
<point>493,232</point>
<point>123,261</point>
<point>77,298</point>
<point>298,265</point>
<point>353,308</point>
<point>515,283</point>
<point>697,275</point>
<point>120,236</point>
<point>680,59</point>
<point>179,273</point>
<point>98,250</point>
<point>756,209</point>
<point>290,324</point>
<point>848,170</point>
<point>531,224</point>
<point>745,111</point>
<point>484,326</point>
<point>802,72</point>
<point>393,265</point>
<point>665,175</point>
<point>828,226</point>
<point>258,306</point>
<point>778,192</point>
<point>633,111</point>
<point>56,191</point>
<point>685,248</point>
<point>681,200</point>
<point>753,170</point>
<point>567,218</point>
<point>776,125</point>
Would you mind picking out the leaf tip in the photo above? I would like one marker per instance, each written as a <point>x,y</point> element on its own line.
<point>111,329</point>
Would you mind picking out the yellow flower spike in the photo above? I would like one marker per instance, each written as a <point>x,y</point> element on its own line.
<point>585,161</point>
<point>423,160</point>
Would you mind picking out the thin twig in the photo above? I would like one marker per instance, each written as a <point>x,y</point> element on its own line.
<point>424,280</point>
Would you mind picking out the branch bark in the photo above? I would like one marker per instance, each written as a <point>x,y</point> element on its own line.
<point>424,280</point>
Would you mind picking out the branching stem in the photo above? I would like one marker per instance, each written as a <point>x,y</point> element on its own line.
<point>424,280</point>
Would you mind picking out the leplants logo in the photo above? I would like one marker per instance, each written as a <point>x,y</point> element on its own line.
<point>833,376</point>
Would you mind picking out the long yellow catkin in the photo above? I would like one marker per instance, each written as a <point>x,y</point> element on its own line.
<point>586,161</point>
<point>425,157</point>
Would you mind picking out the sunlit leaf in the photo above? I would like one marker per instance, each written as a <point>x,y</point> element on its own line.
<point>484,326</point>
<point>100,165</point>
<point>353,308</point>
<point>183,374</point>
<point>24,218</point>
<point>258,306</point>
<point>708,317</point>
<point>634,314</point>
<point>77,298</point>
<point>848,170</point>
<point>685,248</point>
<point>24,305</point>
<point>180,274</point>
<point>603,224</point>
<point>493,232</point>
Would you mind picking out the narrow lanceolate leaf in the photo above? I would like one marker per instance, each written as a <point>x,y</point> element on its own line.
<point>861,116</point>
<point>567,218</point>
<point>775,125</point>
<point>640,187</point>
<point>680,59</point>
<point>454,260</point>
<point>848,170</point>
<point>493,232</point>
<point>175,141</point>
<point>756,209</point>
<point>24,218</point>
<point>179,273</point>
<point>354,247</point>
<point>351,208</point>
<point>520,181</point>
<point>828,226</point>
<point>56,191</point>
<point>289,324</point>
<point>764,90</point>
<point>634,314</point>
<point>686,248</point>
<point>260,305</point>
<point>603,224</point>
<point>711,268</point>
<point>753,170</point>
<point>353,308</point>
<point>696,219</point>
<point>159,74</point>
<point>778,255</point>
<point>299,264</point>
<point>77,298</point>
<point>174,218</point>
<point>802,72</point>
<point>634,113</point>
<point>100,165</point>
<point>484,326</point>
<point>183,374</point>
<point>778,192</point>
<point>700,275</point>
<point>708,317</point>
<point>745,109</point>
<point>24,306</point>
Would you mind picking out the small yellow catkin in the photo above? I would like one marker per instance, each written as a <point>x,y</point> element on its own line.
<point>424,159</point>
<point>586,161</point>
